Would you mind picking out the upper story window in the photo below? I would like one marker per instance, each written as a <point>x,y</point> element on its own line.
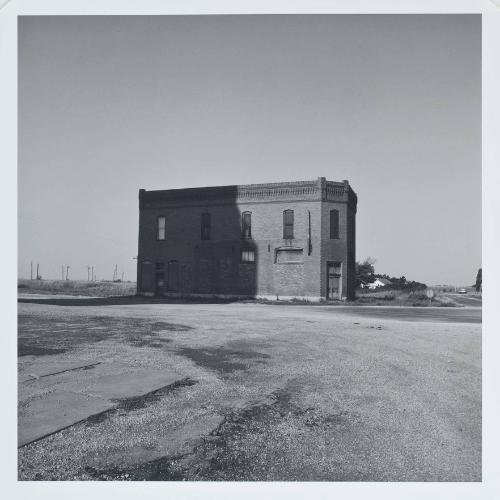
<point>160,228</point>
<point>334,224</point>
<point>288,224</point>
<point>246,225</point>
<point>205,226</point>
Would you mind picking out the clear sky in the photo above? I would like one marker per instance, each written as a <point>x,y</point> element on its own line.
<point>108,105</point>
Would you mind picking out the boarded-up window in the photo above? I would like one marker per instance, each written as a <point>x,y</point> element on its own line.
<point>288,224</point>
<point>248,256</point>
<point>246,225</point>
<point>160,231</point>
<point>289,256</point>
<point>334,224</point>
<point>205,226</point>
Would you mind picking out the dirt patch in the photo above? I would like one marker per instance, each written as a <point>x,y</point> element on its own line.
<point>220,359</point>
<point>138,402</point>
<point>150,342</point>
<point>99,417</point>
<point>242,344</point>
<point>161,469</point>
<point>160,326</point>
<point>248,445</point>
<point>34,350</point>
<point>152,337</point>
<point>41,336</point>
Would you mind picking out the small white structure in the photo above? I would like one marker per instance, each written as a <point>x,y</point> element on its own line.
<point>379,283</point>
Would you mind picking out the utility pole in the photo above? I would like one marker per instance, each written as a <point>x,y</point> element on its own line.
<point>31,270</point>
<point>67,270</point>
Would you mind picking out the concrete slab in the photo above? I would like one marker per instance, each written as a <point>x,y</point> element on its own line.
<point>137,383</point>
<point>38,369</point>
<point>55,412</point>
<point>62,408</point>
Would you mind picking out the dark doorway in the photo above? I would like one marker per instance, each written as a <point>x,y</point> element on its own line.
<point>147,276</point>
<point>173,276</point>
<point>334,280</point>
<point>159,278</point>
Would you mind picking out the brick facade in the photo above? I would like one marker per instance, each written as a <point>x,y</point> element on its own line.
<point>185,264</point>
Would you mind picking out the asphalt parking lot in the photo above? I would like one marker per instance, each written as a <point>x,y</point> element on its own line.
<point>249,392</point>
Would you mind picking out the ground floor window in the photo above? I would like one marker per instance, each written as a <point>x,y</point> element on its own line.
<point>247,255</point>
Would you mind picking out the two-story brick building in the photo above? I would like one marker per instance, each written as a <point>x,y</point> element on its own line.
<point>285,240</point>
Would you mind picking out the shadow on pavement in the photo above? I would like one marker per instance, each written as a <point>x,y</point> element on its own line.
<point>121,301</point>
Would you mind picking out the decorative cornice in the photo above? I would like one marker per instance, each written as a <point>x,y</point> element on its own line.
<point>319,190</point>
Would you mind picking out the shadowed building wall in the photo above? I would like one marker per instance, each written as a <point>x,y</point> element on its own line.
<point>290,239</point>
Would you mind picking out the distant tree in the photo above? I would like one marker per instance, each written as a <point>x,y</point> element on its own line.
<point>398,281</point>
<point>365,268</point>
<point>365,271</point>
<point>479,280</point>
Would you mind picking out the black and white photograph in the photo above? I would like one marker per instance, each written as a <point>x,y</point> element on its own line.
<point>249,248</point>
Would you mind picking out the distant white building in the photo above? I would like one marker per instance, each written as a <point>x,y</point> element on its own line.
<point>378,283</point>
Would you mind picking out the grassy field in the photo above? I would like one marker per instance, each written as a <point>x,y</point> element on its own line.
<point>71,287</point>
<point>403,298</point>
<point>254,392</point>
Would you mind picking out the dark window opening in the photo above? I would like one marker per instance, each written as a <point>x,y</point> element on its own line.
<point>288,224</point>
<point>247,256</point>
<point>246,225</point>
<point>334,224</point>
<point>205,226</point>
<point>160,228</point>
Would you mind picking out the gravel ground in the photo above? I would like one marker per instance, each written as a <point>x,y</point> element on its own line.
<point>269,393</point>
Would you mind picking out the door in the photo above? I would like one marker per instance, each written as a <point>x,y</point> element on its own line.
<point>159,278</point>
<point>334,280</point>
<point>147,276</point>
<point>173,276</point>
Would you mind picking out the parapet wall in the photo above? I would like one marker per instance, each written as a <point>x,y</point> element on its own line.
<point>319,190</point>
